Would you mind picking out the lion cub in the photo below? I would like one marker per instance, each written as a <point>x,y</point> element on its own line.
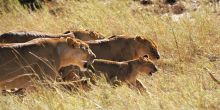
<point>76,78</point>
<point>126,71</point>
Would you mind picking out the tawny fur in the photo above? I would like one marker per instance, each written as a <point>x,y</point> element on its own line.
<point>24,36</point>
<point>42,57</point>
<point>79,78</point>
<point>68,73</point>
<point>122,48</point>
<point>86,35</point>
<point>126,71</point>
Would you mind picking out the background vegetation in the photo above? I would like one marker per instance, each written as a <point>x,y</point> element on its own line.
<point>188,43</point>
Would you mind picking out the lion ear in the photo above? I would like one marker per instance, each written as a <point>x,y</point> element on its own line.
<point>70,35</point>
<point>139,38</point>
<point>146,56</point>
<point>91,33</point>
<point>143,57</point>
<point>67,32</point>
<point>72,42</point>
<point>113,36</point>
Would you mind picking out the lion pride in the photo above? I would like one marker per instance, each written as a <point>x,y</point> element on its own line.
<point>41,57</point>
<point>126,71</point>
<point>122,48</point>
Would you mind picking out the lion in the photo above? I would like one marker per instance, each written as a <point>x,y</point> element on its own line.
<point>21,81</point>
<point>25,36</point>
<point>122,48</point>
<point>126,71</point>
<point>86,35</point>
<point>42,57</point>
<point>77,78</point>
<point>70,72</point>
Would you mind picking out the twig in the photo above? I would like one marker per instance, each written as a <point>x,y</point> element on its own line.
<point>65,83</point>
<point>211,75</point>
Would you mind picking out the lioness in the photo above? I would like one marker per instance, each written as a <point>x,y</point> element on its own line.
<point>121,48</point>
<point>24,36</point>
<point>126,71</point>
<point>21,81</point>
<point>42,57</point>
<point>86,35</point>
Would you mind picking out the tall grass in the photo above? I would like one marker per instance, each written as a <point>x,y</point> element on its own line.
<point>186,47</point>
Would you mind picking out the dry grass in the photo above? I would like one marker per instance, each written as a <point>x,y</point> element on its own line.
<point>187,45</point>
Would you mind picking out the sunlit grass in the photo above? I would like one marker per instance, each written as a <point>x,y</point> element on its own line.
<point>185,47</point>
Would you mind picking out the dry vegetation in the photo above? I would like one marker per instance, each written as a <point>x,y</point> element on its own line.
<point>187,46</point>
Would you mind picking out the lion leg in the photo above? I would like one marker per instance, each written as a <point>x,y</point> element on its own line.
<point>71,72</point>
<point>21,81</point>
<point>114,81</point>
<point>90,67</point>
<point>140,86</point>
<point>89,74</point>
<point>75,78</point>
<point>17,85</point>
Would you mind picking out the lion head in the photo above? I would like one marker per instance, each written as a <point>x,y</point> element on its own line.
<point>75,52</point>
<point>147,47</point>
<point>147,66</point>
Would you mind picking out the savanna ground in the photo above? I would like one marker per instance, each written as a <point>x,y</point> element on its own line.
<point>187,46</point>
